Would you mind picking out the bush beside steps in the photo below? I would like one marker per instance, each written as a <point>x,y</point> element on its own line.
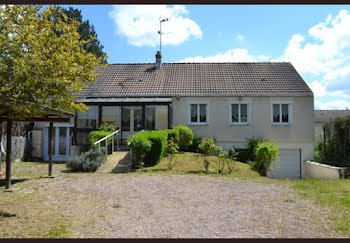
<point>88,161</point>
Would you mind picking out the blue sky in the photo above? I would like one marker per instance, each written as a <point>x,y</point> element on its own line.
<point>315,39</point>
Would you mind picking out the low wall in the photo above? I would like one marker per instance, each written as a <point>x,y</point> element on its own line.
<point>313,170</point>
<point>17,148</point>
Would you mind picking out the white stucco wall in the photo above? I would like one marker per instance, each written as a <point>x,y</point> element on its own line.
<point>315,170</point>
<point>299,135</point>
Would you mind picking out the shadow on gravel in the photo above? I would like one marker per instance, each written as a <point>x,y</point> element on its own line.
<point>124,165</point>
<point>13,181</point>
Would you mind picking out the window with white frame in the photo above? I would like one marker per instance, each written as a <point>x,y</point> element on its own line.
<point>281,113</point>
<point>198,113</point>
<point>239,113</point>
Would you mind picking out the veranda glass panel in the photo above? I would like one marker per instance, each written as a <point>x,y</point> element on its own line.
<point>203,113</point>
<point>194,113</point>
<point>150,117</point>
<point>126,118</point>
<point>285,117</point>
<point>276,113</point>
<point>244,112</point>
<point>89,118</point>
<point>234,108</point>
<point>111,115</point>
<point>161,121</point>
<point>137,118</point>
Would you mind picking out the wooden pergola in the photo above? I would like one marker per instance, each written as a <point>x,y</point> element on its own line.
<point>50,116</point>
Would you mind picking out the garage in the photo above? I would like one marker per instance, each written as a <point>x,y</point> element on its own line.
<point>288,165</point>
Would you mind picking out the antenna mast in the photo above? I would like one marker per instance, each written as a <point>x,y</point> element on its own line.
<point>160,32</point>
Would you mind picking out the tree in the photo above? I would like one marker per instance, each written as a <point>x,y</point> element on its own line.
<point>87,32</point>
<point>40,69</point>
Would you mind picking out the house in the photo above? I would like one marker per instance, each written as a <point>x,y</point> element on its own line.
<point>324,116</point>
<point>227,101</point>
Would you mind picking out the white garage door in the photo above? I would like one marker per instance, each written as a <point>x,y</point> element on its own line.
<point>288,165</point>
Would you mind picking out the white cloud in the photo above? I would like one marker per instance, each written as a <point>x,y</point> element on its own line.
<point>240,37</point>
<point>263,58</point>
<point>325,53</point>
<point>234,55</point>
<point>320,90</point>
<point>140,24</point>
<point>339,79</point>
<point>332,105</point>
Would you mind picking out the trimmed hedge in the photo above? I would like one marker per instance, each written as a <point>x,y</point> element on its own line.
<point>158,148</point>
<point>185,137</point>
<point>139,145</point>
<point>158,141</point>
<point>102,132</point>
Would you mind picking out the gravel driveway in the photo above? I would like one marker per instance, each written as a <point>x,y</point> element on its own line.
<point>186,206</point>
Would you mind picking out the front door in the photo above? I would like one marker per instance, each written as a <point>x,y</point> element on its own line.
<point>131,120</point>
<point>60,144</point>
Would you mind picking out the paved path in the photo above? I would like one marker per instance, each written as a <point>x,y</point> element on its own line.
<point>117,162</point>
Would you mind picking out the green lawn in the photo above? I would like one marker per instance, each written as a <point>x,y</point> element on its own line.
<point>332,194</point>
<point>192,163</point>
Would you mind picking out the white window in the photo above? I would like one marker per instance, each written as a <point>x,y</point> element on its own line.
<point>198,113</point>
<point>282,113</point>
<point>239,113</point>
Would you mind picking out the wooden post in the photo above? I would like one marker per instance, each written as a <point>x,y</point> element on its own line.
<point>8,155</point>
<point>50,148</point>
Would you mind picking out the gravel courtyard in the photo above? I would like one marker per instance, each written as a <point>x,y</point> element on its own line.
<point>145,205</point>
<point>170,206</point>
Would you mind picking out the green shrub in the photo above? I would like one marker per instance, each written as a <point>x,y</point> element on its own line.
<point>232,154</point>
<point>158,148</point>
<point>206,147</point>
<point>172,149</point>
<point>172,133</point>
<point>222,157</point>
<point>185,137</point>
<point>102,132</point>
<point>140,145</point>
<point>252,143</point>
<point>265,153</point>
<point>107,127</point>
<point>194,146</point>
<point>88,161</point>
<point>94,136</point>
<point>243,155</point>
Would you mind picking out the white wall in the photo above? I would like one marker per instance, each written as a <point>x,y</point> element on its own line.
<point>299,135</point>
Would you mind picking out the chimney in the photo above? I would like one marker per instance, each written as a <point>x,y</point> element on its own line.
<point>158,60</point>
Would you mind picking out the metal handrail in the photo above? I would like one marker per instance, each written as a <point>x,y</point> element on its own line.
<point>105,138</point>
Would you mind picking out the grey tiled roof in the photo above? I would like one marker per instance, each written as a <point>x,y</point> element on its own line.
<point>328,115</point>
<point>204,79</point>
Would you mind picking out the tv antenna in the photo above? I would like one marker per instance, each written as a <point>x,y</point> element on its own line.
<point>160,32</point>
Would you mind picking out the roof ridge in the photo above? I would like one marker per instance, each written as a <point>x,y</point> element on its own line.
<point>147,63</point>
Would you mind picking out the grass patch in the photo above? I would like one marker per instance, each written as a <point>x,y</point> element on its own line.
<point>329,193</point>
<point>58,231</point>
<point>32,170</point>
<point>192,163</point>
